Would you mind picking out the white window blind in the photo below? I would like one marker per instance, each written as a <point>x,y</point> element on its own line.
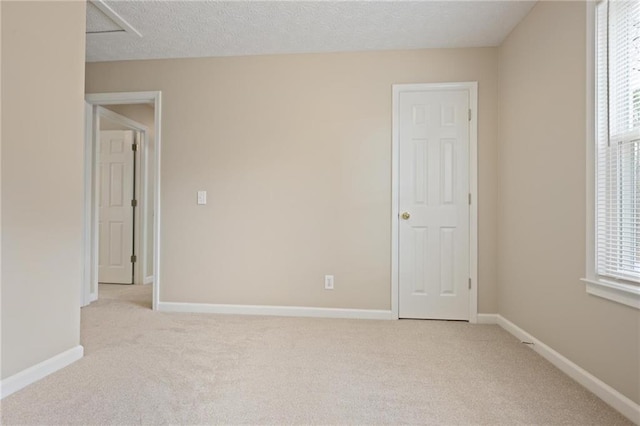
<point>618,140</point>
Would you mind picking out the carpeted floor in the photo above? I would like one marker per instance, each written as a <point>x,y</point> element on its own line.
<point>144,367</point>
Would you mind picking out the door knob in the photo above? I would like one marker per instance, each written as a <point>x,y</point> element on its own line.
<point>405,215</point>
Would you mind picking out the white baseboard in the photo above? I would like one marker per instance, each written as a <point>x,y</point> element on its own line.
<point>148,280</point>
<point>624,405</point>
<point>33,374</point>
<point>283,311</point>
<point>487,319</point>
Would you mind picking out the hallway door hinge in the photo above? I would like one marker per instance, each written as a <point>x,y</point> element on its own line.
<point>469,114</point>
<point>134,203</point>
<point>469,198</point>
<point>133,258</point>
<point>134,147</point>
<point>469,283</point>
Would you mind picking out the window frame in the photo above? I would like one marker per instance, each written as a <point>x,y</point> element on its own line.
<point>619,291</point>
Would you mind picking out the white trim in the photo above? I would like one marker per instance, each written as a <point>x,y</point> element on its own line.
<point>39,371</point>
<point>119,20</point>
<point>487,318</point>
<point>140,224</point>
<point>395,200</point>
<point>146,209</point>
<point>148,280</point>
<point>117,98</point>
<point>615,399</point>
<point>156,199</point>
<point>472,87</point>
<point>86,296</point>
<point>145,212</point>
<point>91,203</point>
<point>282,311</point>
<point>590,141</point>
<point>473,209</point>
<point>626,294</point>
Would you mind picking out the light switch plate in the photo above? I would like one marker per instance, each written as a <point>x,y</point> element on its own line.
<point>202,197</point>
<point>328,282</point>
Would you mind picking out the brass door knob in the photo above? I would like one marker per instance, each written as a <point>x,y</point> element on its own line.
<point>405,215</point>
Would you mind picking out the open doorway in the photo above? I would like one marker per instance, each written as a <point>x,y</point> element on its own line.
<point>123,194</point>
<point>122,147</point>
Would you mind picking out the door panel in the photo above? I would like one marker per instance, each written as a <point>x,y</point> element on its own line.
<point>434,188</point>
<point>115,211</point>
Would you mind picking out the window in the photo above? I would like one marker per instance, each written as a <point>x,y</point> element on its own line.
<point>617,149</point>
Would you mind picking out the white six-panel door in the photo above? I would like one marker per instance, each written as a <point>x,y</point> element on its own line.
<point>115,216</point>
<point>433,228</point>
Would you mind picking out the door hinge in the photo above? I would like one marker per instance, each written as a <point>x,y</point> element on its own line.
<point>469,114</point>
<point>469,198</point>
<point>134,147</point>
<point>469,283</point>
<point>134,203</point>
<point>134,258</point>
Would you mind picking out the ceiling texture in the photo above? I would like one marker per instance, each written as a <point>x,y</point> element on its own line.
<point>125,30</point>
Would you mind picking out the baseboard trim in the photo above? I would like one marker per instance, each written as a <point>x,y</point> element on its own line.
<point>148,280</point>
<point>39,371</point>
<point>621,403</point>
<point>283,311</point>
<point>487,319</point>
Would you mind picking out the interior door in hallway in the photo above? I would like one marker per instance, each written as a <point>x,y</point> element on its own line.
<point>115,220</point>
<point>434,204</point>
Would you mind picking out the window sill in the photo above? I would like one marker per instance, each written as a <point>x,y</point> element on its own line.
<point>626,294</point>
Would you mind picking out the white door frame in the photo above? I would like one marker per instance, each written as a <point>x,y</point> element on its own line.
<point>90,267</point>
<point>141,189</point>
<point>472,87</point>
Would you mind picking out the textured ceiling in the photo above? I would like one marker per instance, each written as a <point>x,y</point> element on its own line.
<point>178,29</point>
<point>98,22</point>
<point>102,19</point>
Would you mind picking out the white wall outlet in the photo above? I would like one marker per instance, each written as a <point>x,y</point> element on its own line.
<point>202,197</point>
<point>328,282</point>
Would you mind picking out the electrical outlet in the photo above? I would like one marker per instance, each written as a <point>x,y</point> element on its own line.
<point>328,282</point>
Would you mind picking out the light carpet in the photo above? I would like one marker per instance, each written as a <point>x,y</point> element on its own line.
<point>145,367</point>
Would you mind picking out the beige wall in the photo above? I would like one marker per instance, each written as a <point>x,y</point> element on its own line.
<point>295,153</point>
<point>542,208</point>
<point>42,65</point>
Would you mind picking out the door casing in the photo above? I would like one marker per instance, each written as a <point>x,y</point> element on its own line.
<point>90,240</point>
<point>472,88</point>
